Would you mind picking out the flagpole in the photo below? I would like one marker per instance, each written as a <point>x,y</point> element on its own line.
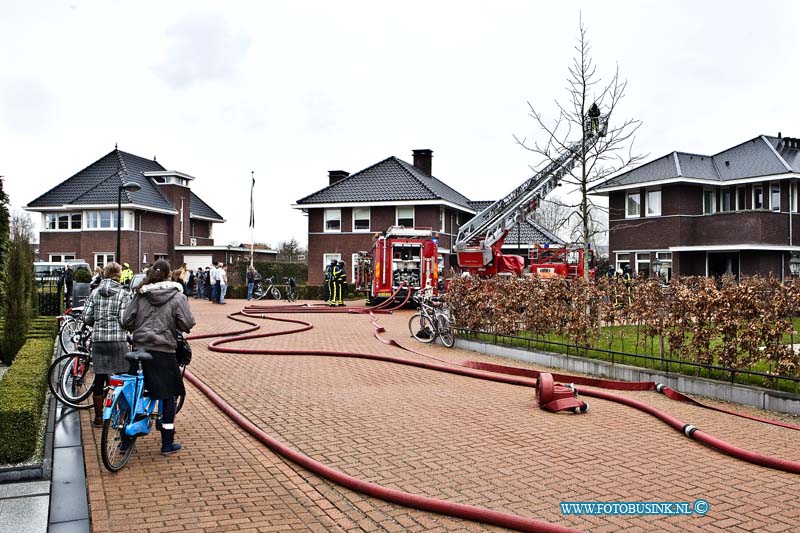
<point>252,215</point>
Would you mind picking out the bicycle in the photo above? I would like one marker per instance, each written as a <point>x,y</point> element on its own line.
<point>432,320</point>
<point>290,285</point>
<point>73,334</point>
<point>71,379</point>
<point>129,413</point>
<point>265,287</point>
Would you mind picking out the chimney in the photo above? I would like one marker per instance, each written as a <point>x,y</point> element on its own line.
<point>423,159</point>
<point>337,175</point>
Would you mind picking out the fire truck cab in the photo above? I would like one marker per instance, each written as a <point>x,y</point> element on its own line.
<point>561,261</point>
<point>399,255</point>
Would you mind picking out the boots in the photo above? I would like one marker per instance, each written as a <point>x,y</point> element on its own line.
<point>98,399</point>
<point>168,446</point>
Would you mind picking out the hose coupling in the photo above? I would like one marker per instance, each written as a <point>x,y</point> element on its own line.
<point>689,430</point>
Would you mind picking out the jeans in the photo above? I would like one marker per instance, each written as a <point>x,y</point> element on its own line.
<point>250,286</point>
<point>223,288</point>
<point>215,292</point>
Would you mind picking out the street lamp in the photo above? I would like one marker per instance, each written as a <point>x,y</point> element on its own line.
<point>130,186</point>
<point>794,264</point>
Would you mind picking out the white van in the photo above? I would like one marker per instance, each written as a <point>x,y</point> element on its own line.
<point>54,269</point>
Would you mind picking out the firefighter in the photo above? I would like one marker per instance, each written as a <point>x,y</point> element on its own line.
<point>126,276</point>
<point>328,296</point>
<point>339,276</point>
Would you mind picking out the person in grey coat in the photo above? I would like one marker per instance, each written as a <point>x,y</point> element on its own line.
<point>159,310</point>
<point>104,310</point>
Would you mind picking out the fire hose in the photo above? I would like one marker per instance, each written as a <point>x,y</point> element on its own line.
<point>497,373</point>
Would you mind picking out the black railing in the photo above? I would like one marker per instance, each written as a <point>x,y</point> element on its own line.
<point>665,364</point>
<point>50,295</point>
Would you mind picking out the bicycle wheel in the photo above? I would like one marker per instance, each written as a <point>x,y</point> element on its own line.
<point>71,378</point>
<point>291,294</point>
<point>446,332</point>
<point>276,294</point>
<point>116,447</point>
<point>66,335</point>
<point>421,328</point>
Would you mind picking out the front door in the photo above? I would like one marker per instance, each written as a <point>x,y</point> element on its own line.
<point>722,263</point>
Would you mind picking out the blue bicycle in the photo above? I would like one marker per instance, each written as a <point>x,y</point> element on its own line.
<point>128,413</point>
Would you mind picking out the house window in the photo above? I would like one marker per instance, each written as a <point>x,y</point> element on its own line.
<point>622,260</point>
<point>405,217</point>
<point>327,258</point>
<point>741,199</point>
<point>758,197</point>
<point>725,201</point>
<point>107,219</point>
<point>709,202</point>
<point>361,219</point>
<point>62,221</point>
<point>333,220</point>
<point>775,197</point>
<point>665,258</point>
<point>653,203</point>
<point>793,197</point>
<point>441,219</point>
<point>60,258</point>
<point>101,260</point>
<point>643,264</point>
<point>633,205</point>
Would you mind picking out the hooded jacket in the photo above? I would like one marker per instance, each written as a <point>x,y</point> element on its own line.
<point>156,313</point>
<point>104,310</point>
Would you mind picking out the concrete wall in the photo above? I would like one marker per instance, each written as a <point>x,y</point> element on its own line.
<point>741,394</point>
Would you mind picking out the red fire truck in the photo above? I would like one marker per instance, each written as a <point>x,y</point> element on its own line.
<point>480,240</point>
<point>398,255</point>
<point>565,262</point>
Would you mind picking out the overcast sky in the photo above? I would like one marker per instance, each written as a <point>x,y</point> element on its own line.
<point>291,90</point>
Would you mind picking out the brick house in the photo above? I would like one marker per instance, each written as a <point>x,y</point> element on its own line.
<point>164,219</point>
<point>343,216</point>
<point>733,212</point>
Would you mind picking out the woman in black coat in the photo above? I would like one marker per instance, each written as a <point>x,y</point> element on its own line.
<point>159,310</point>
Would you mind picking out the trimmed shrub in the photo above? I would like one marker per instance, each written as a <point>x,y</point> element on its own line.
<point>17,304</point>
<point>277,271</point>
<point>22,394</point>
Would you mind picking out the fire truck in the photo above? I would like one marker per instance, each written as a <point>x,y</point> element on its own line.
<point>560,261</point>
<point>480,240</point>
<point>400,255</point>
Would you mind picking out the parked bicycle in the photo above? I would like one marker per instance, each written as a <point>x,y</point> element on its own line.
<point>71,378</point>
<point>73,334</point>
<point>266,287</point>
<point>129,413</point>
<point>290,286</point>
<point>432,320</point>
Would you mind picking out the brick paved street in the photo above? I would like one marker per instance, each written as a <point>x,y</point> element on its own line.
<point>431,433</point>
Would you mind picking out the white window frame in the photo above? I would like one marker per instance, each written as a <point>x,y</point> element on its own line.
<point>619,261</point>
<point>709,210</point>
<point>442,219</point>
<point>744,196</point>
<point>642,258</point>
<point>651,212</point>
<point>61,257</point>
<point>353,264</point>
<point>731,201</point>
<point>328,216</point>
<point>628,197</point>
<point>793,207</point>
<point>328,257</point>
<point>55,216</point>
<point>397,215</point>
<point>772,190</point>
<point>105,256</point>
<point>759,187</point>
<point>368,218</point>
<point>128,219</point>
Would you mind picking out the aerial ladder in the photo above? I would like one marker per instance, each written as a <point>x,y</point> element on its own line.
<point>479,241</point>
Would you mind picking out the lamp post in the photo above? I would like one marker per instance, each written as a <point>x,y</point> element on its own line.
<point>130,186</point>
<point>794,265</point>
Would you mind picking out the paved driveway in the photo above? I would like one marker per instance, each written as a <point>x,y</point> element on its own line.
<point>436,434</point>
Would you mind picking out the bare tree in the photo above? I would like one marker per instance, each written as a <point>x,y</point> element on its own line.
<point>610,154</point>
<point>290,250</point>
<point>553,214</point>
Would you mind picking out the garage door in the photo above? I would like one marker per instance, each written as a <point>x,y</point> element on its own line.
<point>195,261</point>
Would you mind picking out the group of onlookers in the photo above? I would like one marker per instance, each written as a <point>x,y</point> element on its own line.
<point>212,283</point>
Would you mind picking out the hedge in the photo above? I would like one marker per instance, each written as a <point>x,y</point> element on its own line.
<point>22,394</point>
<point>277,271</point>
<point>305,292</point>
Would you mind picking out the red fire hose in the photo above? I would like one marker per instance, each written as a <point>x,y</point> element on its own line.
<point>498,373</point>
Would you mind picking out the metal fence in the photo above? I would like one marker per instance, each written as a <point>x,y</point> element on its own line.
<point>665,364</point>
<point>50,295</point>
